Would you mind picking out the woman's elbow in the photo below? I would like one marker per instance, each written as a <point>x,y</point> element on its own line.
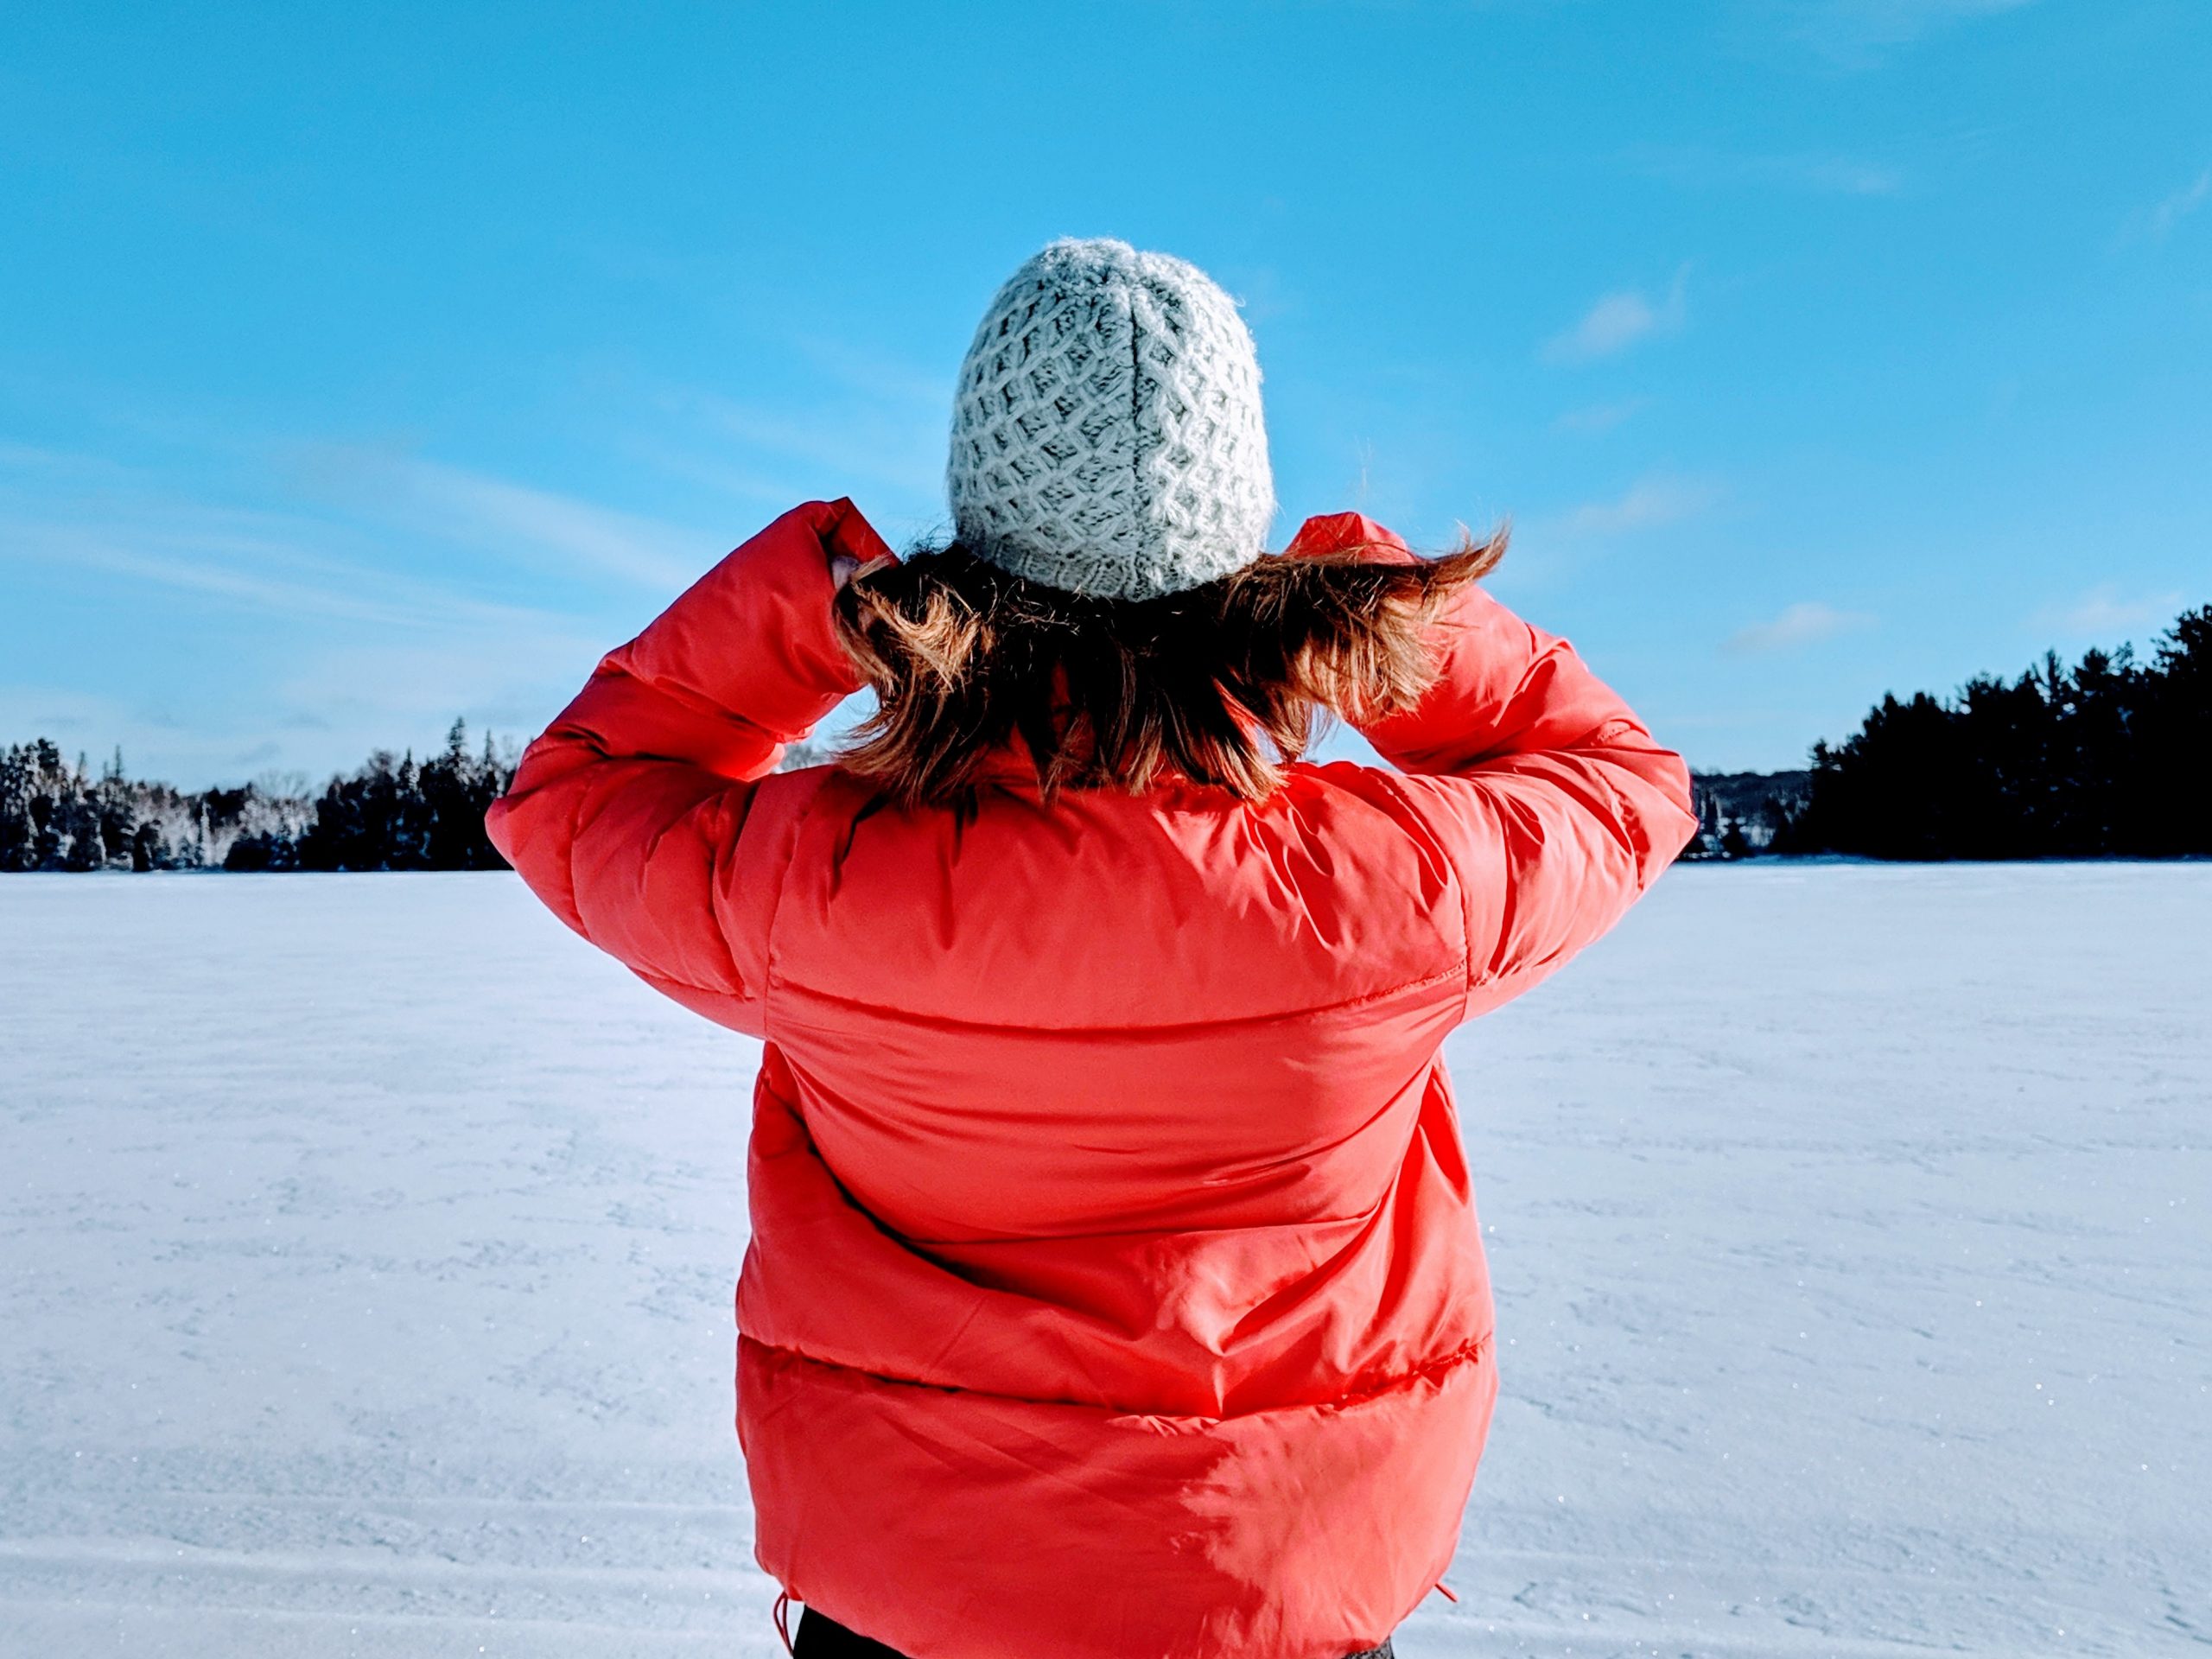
<point>537,841</point>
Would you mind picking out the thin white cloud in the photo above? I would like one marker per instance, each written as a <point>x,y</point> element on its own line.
<point>1855,34</point>
<point>876,425</point>
<point>271,562</point>
<point>512,680</point>
<point>65,715</point>
<point>515,521</point>
<point>2179,206</point>
<point>1818,173</point>
<point>903,449</point>
<point>349,654</point>
<point>878,376</point>
<point>1617,321</point>
<point>109,520</point>
<point>762,488</point>
<point>201,575</point>
<point>32,458</point>
<point>1840,175</point>
<point>1805,623</point>
<point>355,621</point>
<point>1655,499</point>
<point>2105,613</point>
<point>1594,418</point>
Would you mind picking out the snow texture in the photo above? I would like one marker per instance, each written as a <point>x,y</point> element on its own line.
<point>369,1243</point>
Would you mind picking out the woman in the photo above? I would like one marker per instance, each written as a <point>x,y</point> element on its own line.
<point>1115,1289</point>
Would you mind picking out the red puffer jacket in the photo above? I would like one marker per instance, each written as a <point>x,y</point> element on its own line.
<point>1115,1289</point>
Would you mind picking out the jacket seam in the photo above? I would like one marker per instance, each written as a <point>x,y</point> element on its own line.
<point>1470,1353</point>
<point>916,1017</point>
<point>783,882</point>
<point>1395,779</point>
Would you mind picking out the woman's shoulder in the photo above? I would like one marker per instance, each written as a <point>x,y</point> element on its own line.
<point>1106,908</point>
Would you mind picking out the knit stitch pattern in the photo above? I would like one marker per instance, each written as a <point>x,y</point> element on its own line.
<point>1107,434</point>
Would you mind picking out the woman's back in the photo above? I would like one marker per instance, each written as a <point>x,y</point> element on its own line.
<point>1159,1066</point>
<point>1115,1287</point>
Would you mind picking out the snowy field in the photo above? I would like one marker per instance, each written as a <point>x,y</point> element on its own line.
<point>366,1247</point>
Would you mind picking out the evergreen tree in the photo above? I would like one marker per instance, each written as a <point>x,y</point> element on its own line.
<point>2108,758</point>
<point>392,814</point>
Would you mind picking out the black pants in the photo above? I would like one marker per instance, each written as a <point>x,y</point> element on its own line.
<point>825,1639</point>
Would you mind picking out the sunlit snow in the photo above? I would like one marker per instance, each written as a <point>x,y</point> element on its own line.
<point>366,1246</point>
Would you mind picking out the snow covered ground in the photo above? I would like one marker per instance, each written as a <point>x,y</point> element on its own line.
<point>366,1245</point>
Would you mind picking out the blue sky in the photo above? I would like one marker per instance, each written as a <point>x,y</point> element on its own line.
<point>362,367</point>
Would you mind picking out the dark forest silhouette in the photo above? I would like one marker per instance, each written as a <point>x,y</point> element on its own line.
<point>2111,758</point>
<point>394,813</point>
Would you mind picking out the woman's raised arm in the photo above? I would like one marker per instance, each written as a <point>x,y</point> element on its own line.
<point>1555,805</point>
<point>631,816</point>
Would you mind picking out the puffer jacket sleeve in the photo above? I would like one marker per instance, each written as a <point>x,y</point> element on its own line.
<point>1554,805</point>
<point>632,816</point>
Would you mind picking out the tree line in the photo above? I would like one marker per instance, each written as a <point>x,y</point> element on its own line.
<point>393,813</point>
<point>2110,757</point>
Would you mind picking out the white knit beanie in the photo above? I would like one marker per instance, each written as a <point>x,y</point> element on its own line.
<point>1106,436</point>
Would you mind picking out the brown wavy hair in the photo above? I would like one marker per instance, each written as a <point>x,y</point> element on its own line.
<point>1225,683</point>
